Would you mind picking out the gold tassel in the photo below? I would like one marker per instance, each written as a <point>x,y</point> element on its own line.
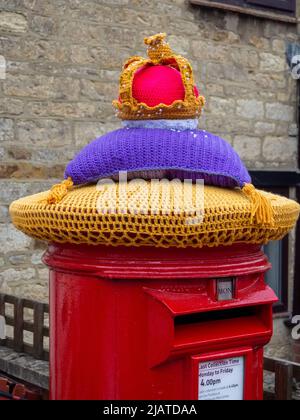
<point>261,206</point>
<point>59,191</point>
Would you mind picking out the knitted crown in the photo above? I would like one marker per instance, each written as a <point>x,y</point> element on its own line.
<point>159,87</point>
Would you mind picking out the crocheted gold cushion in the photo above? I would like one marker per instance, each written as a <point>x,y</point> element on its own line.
<point>227,218</point>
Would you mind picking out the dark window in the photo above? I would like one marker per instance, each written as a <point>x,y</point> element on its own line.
<point>277,277</point>
<point>285,5</point>
<point>274,9</point>
<point>280,183</point>
<point>296,306</point>
<point>278,253</point>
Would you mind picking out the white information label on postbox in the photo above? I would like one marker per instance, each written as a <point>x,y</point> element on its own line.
<point>222,379</point>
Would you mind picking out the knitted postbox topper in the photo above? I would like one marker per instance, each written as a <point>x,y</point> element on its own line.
<point>159,105</point>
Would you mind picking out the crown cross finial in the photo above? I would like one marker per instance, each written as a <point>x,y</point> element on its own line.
<point>158,49</point>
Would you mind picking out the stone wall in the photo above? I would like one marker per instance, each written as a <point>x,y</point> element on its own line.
<point>63,61</point>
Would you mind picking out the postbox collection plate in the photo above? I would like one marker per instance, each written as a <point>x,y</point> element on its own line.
<point>222,379</point>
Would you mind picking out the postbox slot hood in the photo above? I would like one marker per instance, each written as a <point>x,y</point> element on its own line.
<point>190,303</point>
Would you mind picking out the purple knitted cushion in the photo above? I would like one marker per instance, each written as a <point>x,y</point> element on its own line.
<point>147,153</point>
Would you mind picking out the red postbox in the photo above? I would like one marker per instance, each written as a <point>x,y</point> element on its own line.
<point>169,319</point>
<point>139,323</point>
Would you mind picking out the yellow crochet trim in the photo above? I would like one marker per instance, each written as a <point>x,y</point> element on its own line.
<point>228,217</point>
<point>59,191</point>
<point>262,209</point>
<point>159,52</point>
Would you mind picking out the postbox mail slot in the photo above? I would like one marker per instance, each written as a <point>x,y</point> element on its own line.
<point>222,326</point>
<point>210,316</point>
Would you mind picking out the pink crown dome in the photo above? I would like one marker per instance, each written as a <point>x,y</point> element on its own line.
<point>158,84</point>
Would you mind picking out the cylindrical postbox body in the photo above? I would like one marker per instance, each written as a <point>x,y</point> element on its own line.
<point>149,323</point>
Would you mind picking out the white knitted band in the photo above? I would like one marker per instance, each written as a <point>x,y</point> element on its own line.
<point>182,125</point>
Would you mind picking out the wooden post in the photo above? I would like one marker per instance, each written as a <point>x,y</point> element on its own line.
<point>283,381</point>
<point>18,327</point>
<point>38,330</point>
<point>2,313</point>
